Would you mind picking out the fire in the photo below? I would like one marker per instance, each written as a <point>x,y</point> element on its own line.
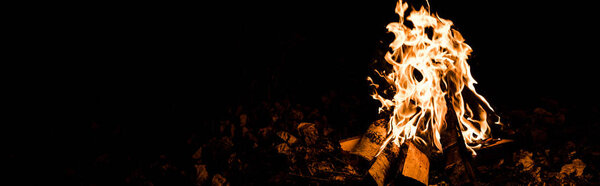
<point>429,74</point>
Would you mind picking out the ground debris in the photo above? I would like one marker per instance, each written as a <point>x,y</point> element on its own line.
<point>283,148</point>
<point>524,158</point>
<point>287,137</point>
<point>320,167</point>
<point>309,132</point>
<point>576,167</point>
<point>287,144</point>
<point>201,174</point>
<point>197,154</point>
<point>219,180</point>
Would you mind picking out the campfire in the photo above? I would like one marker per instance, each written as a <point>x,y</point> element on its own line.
<point>328,93</point>
<point>432,116</point>
<point>430,99</point>
<point>429,78</point>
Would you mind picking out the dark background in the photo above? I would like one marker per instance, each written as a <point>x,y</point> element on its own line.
<point>237,52</point>
<point>206,55</point>
<point>197,59</point>
<point>158,71</point>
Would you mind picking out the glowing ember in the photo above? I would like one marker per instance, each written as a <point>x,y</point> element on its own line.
<point>429,70</point>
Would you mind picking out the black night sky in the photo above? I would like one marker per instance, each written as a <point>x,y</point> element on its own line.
<point>205,56</point>
<point>160,72</point>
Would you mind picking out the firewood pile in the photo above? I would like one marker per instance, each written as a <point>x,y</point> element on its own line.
<point>282,142</point>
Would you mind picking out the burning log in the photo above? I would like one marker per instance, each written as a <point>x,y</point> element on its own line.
<point>394,165</point>
<point>457,158</point>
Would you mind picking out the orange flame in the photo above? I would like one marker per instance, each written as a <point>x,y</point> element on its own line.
<point>429,70</point>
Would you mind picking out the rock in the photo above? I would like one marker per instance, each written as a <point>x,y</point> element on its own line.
<point>320,167</point>
<point>536,175</point>
<point>338,178</point>
<point>525,159</point>
<point>283,148</point>
<point>287,137</point>
<point>309,132</point>
<point>219,180</point>
<point>201,174</point>
<point>197,154</point>
<point>577,166</point>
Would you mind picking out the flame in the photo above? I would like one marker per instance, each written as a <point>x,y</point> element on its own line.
<point>430,69</point>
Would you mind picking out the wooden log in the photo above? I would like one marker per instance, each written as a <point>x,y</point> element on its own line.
<point>370,143</point>
<point>412,166</point>
<point>349,143</point>
<point>395,165</point>
<point>416,165</point>
<point>457,157</point>
<point>362,150</point>
<point>382,169</point>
